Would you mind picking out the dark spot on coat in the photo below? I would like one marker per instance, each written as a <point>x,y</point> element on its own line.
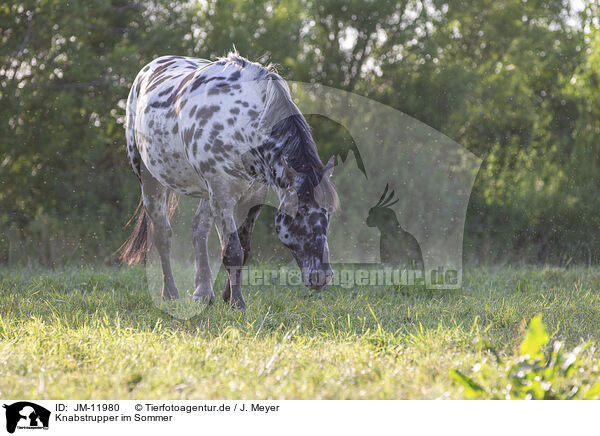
<point>205,167</point>
<point>157,73</point>
<point>221,88</point>
<point>217,146</point>
<point>166,91</point>
<point>188,134</point>
<point>205,113</point>
<point>162,61</point>
<point>238,137</point>
<point>202,80</point>
<point>182,104</point>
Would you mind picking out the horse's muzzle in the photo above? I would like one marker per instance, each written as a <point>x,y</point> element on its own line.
<point>317,278</point>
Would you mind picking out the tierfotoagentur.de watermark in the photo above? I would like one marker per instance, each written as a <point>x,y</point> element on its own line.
<point>348,277</point>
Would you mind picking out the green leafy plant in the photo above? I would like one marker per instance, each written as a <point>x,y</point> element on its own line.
<point>535,374</point>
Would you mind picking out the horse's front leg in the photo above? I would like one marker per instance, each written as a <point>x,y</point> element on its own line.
<point>231,247</point>
<point>245,236</point>
<point>233,260</point>
<point>201,225</point>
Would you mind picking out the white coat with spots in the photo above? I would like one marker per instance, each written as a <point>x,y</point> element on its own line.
<point>224,132</point>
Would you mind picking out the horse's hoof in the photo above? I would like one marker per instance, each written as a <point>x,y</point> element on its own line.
<point>170,291</point>
<point>238,303</point>
<point>169,296</point>
<point>205,297</point>
<point>226,295</point>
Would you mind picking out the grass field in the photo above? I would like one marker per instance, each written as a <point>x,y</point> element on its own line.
<point>95,333</point>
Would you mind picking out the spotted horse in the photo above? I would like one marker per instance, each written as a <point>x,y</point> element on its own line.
<point>225,132</point>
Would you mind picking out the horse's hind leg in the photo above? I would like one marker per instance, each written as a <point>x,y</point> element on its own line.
<point>201,225</point>
<point>155,201</point>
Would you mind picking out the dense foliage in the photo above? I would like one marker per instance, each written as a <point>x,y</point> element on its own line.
<point>516,82</point>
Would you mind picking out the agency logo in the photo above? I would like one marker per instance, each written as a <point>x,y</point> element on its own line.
<point>26,415</point>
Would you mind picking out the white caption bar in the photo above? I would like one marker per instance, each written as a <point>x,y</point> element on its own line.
<point>21,417</point>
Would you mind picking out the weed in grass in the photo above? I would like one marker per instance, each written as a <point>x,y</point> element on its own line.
<point>534,374</point>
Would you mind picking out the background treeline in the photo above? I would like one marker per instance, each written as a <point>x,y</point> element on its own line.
<point>516,82</point>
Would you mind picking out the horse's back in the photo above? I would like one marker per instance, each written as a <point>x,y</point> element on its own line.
<point>190,118</point>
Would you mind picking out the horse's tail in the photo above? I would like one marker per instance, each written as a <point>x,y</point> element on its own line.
<point>137,245</point>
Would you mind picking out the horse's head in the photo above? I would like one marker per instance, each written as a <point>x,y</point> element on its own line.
<point>302,222</point>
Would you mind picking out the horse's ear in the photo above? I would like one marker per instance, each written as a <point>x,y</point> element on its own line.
<point>329,167</point>
<point>290,205</point>
<point>289,172</point>
<point>325,194</point>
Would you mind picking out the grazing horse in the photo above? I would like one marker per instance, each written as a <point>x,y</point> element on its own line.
<point>224,132</point>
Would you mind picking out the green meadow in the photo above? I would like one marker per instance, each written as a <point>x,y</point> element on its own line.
<point>80,333</point>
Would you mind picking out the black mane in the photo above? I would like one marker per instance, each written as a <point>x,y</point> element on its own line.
<point>299,149</point>
<point>290,134</point>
